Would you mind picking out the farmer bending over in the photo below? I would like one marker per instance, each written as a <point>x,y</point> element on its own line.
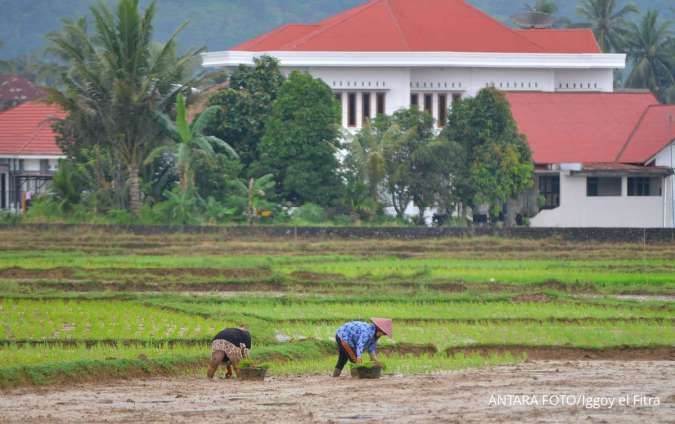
<point>230,346</point>
<point>355,337</point>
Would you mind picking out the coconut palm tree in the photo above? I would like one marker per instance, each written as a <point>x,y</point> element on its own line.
<point>117,79</point>
<point>607,21</point>
<point>651,54</point>
<point>188,141</point>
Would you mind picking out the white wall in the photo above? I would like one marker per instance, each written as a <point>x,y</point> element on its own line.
<point>578,210</point>
<point>666,157</point>
<point>584,80</point>
<point>395,82</point>
<point>398,82</point>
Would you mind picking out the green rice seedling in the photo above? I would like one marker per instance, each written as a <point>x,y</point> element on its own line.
<point>635,334</point>
<point>97,320</point>
<point>401,364</point>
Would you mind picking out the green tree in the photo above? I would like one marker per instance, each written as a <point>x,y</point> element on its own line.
<point>246,103</point>
<point>365,163</point>
<point>540,13</point>
<point>495,162</point>
<point>609,23</point>
<point>251,197</point>
<point>301,140</point>
<point>117,79</point>
<point>407,166</point>
<point>188,141</point>
<point>652,54</point>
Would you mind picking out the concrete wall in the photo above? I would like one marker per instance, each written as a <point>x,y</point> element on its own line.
<point>654,235</point>
<point>667,158</point>
<point>586,80</point>
<point>578,210</point>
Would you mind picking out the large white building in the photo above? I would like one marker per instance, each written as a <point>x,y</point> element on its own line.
<point>390,54</point>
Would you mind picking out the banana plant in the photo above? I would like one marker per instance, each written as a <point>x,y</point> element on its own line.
<point>251,195</point>
<point>188,142</point>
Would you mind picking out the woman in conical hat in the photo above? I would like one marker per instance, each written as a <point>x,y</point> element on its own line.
<point>356,337</point>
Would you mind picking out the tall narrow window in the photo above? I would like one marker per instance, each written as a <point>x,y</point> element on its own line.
<point>351,106</point>
<point>414,100</point>
<point>456,97</point>
<point>366,106</point>
<point>549,189</point>
<point>442,109</point>
<point>429,103</point>
<point>381,105</point>
<point>3,191</point>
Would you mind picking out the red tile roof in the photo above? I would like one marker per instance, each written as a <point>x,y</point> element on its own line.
<point>27,130</point>
<point>655,131</point>
<point>15,90</point>
<point>579,40</point>
<point>578,127</point>
<point>418,26</point>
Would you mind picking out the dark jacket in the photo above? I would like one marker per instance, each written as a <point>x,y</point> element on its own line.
<point>236,336</point>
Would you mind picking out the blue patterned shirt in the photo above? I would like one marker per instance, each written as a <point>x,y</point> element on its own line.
<point>360,336</point>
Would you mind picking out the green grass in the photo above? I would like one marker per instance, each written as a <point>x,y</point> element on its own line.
<point>93,320</point>
<point>657,273</point>
<point>549,334</point>
<point>273,310</point>
<point>401,364</point>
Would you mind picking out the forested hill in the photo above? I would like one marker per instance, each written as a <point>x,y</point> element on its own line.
<point>217,24</point>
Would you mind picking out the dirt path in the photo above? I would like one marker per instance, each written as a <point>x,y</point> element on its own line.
<point>464,396</point>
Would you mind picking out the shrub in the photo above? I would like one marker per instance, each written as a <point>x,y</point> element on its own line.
<point>9,217</point>
<point>309,213</point>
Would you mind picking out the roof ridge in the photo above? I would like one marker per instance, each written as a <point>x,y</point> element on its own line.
<point>398,23</point>
<point>503,25</point>
<point>275,31</point>
<point>355,11</point>
<point>632,134</point>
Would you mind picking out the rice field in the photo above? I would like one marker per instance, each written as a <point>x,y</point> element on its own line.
<point>80,302</point>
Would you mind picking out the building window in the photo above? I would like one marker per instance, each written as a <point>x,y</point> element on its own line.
<point>603,186</point>
<point>351,110</point>
<point>644,186</point>
<point>365,110</point>
<point>456,98</point>
<point>3,191</point>
<point>44,165</point>
<point>414,100</point>
<point>381,103</point>
<point>442,109</point>
<point>429,103</point>
<point>338,98</point>
<point>549,190</point>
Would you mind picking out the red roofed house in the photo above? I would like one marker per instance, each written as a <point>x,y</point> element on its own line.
<point>385,55</point>
<point>602,159</point>
<point>15,90</point>
<point>28,152</point>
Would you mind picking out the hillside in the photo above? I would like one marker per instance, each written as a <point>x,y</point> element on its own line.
<point>217,24</point>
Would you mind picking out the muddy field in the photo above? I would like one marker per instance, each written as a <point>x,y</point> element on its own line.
<point>491,395</point>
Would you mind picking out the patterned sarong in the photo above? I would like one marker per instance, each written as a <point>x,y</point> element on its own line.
<point>234,354</point>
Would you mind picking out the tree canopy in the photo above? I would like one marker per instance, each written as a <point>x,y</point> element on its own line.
<point>301,141</point>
